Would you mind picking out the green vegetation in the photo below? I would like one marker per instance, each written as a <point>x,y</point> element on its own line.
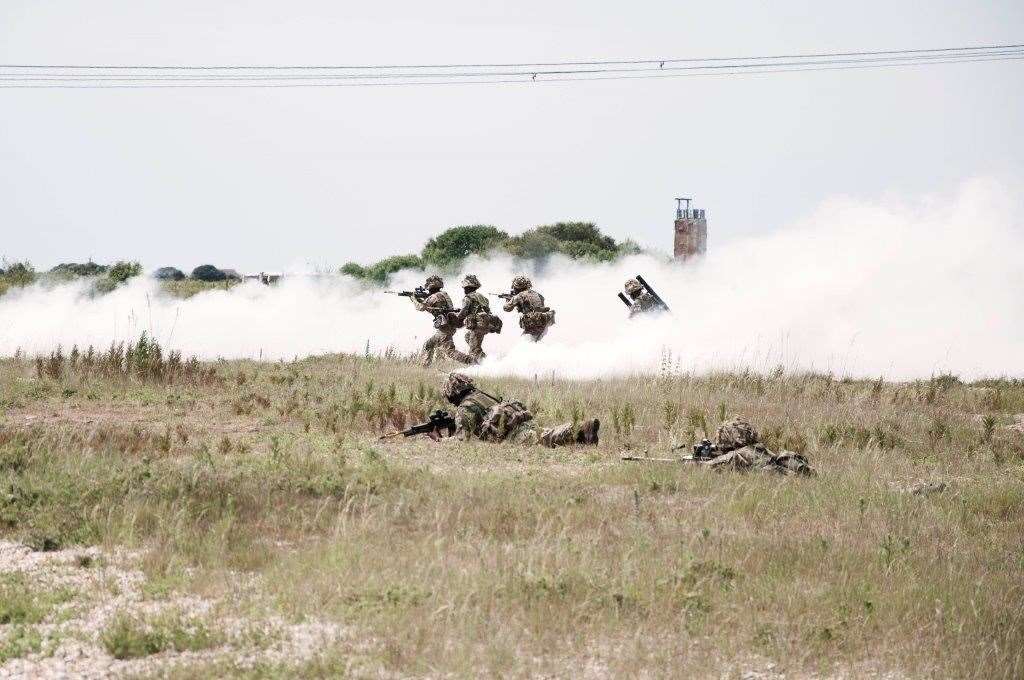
<point>19,642</point>
<point>23,603</point>
<point>16,275</point>
<point>470,559</point>
<point>131,637</point>
<point>446,251</point>
<point>105,278</point>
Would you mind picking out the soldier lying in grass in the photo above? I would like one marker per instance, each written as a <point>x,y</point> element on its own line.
<point>488,418</point>
<point>738,446</point>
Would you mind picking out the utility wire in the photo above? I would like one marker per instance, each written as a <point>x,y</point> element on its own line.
<point>952,50</point>
<point>56,76</point>
<point>524,80</point>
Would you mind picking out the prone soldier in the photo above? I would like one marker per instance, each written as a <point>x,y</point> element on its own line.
<point>475,315</point>
<point>536,318</point>
<point>488,418</point>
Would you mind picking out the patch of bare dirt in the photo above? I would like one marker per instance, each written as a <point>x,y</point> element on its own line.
<point>106,584</point>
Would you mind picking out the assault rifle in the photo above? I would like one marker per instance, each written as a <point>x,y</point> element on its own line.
<point>503,296</point>
<point>702,452</point>
<point>439,421</point>
<point>420,293</point>
<point>657,298</point>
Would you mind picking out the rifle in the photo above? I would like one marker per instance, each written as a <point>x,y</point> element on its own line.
<point>438,421</point>
<point>702,452</point>
<point>503,296</point>
<point>420,293</point>
<point>657,298</point>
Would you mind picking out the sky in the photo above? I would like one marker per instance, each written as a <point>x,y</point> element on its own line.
<point>274,179</point>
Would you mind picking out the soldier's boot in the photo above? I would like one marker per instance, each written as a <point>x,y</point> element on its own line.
<point>588,433</point>
<point>461,357</point>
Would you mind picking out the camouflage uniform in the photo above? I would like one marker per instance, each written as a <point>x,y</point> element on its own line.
<point>740,448</point>
<point>536,317</point>
<point>475,315</point>
<point>642,301</point>
<point>482,416</point>
<point>439,304</point>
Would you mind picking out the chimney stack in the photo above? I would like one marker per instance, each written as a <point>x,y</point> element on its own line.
<point>691,232</point>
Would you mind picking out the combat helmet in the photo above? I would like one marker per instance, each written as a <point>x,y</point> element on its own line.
<point>471,281</point>
<point>434,283</point>
<point>634,288</point>
<point>521,283</point>
<point>456,385</point>
<point>735,434</point>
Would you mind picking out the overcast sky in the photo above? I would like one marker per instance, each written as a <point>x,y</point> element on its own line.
<point>265,179</point>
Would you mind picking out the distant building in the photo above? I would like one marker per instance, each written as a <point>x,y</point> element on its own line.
<point>691,231</point>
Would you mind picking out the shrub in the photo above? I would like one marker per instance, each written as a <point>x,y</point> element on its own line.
<point>72,269</point>
<point>458,243</point>
<point>381,271</point>
<point>129,637</point>
<point>578,240</point>
<point>207,272</point>
<point>168,274</point>
<point>122,271</point>
<point>19,274</point>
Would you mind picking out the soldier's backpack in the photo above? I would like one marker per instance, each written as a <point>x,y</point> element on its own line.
<point>538,320</point>
<point>444,320</point>
<point>503,419</point>
<point>492,322</point>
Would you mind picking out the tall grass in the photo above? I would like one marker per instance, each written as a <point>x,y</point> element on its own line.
<point>475,559</point>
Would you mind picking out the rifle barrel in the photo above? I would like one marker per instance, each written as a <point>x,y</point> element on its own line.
<point>644,459</point>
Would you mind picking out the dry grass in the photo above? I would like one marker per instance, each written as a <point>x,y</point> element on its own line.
<point>475,559</point>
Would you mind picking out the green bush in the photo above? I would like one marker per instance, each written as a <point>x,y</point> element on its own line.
<point>122,271</point>
<point>19,274</point>
<point>458,243</point>
<point>578,240</point>
<point>70,270</point>
<point>381,271</point>
<point>207,272</point>
<point>578,232</point>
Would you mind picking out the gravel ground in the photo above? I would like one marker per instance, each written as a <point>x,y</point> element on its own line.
<point>104,584</point>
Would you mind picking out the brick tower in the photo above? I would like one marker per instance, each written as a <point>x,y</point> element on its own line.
<point>691,233</point>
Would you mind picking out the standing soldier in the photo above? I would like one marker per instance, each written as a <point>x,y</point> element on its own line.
<point>445,320</point>
<point>536,318</point>
<point>641,302</point>
<point>476,317</point>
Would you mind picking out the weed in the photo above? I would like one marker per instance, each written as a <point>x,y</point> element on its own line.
<point>131,637</point>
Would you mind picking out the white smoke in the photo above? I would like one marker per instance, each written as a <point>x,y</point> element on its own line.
<point>858,288</point>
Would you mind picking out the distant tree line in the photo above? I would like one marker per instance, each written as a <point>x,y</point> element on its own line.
<point>105,277</point>
<point>578,240</point>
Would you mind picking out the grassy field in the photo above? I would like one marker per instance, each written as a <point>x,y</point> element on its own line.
<point>241,518</point>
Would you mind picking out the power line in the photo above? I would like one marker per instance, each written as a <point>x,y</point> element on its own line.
<point>55,76</point>
<point>950,50</point>
<point>524,80</point>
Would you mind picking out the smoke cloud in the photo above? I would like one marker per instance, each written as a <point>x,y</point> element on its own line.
<point>902,290</point>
